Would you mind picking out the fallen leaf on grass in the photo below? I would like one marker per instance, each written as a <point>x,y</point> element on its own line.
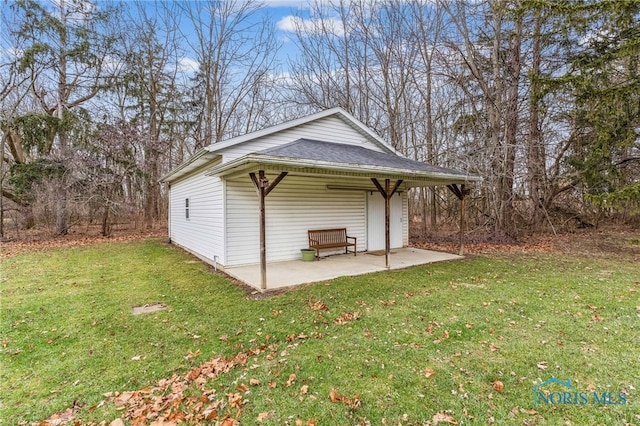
<point>591,387</point>
<point>318,306</point>
<point>254,382</point>
<point>443,417</point>
<point>123,398</point>
<point>235,400</point>
<point>61,418</point>
<point>229,422</point>
<point>191,355</point>
<point>498,385</point>
<point>292,337</point>
<point>304,389</point>
<point>428,372</point>
<point>349,402</point>
<point>263,416</point>
<point>542,365</point>
<point>346,317</point>
<point>292,378</point>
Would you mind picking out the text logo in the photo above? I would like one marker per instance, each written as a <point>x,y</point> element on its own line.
<point>569,396</point>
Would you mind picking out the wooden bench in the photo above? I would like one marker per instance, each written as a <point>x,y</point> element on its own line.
<point>320,239</point>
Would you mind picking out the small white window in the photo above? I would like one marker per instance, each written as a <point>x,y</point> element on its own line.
<point>186,208</point>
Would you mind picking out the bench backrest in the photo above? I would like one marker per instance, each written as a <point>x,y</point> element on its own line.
<point>328,236</point>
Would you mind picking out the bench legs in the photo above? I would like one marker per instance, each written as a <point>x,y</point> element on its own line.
<point>346,251</point>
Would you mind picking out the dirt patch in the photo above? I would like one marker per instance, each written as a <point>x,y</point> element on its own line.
<point>613,242</point>
<point>148,308</point>
<point>12,248</point>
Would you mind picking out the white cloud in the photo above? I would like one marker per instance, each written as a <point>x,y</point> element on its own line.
<point>76,12</point>
<point>309,4</point>
<point>293,24</point>
<point>303,4</point>
<point>188,65</point>
<point>11,53</point>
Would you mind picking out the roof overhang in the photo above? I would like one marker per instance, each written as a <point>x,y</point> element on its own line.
<point>300,166</point>
<point>200,159</point>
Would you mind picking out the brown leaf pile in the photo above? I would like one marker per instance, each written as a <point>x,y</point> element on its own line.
<point>318,306</point>
<point>352,403</point>
<point>171,401</point>
<point>166,402</point>
<point>346,318</point>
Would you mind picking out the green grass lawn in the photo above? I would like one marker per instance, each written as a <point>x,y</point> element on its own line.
<point>464,341</point>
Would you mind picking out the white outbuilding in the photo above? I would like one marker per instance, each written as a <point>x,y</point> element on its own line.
<point>252,199</point>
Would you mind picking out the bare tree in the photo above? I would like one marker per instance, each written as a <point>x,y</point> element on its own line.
<point>490,58</point>
<point>235,50</point>
<point>426,23</point>
<point>149,94</point>
<point>64,47</point>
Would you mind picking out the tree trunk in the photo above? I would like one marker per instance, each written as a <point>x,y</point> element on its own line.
<point>535,149</point>
<point>513,67</point>
<point>62,224</point>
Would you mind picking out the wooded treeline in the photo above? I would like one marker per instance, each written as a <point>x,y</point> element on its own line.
<point>541,99</point>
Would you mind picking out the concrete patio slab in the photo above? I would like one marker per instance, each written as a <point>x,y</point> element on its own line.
<point>296,272</point>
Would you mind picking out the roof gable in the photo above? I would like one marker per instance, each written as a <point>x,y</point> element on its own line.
<point>337,112</point>
<point>207,155</point>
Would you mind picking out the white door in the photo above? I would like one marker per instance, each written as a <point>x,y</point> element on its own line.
<point>375,221</point>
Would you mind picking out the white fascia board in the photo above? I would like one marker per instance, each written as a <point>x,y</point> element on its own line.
<point>197,160</point>
<point>252,160</point>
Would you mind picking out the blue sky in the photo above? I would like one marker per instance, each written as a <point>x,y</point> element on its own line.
<point>285,15</point>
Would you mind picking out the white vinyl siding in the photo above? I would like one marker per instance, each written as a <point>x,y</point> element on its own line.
<point>328,129</point>
<point>203,231</point>
<point>296,205</point>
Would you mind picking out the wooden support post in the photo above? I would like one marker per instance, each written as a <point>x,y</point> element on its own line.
<point>263,188</point>
<point>387,193</point>
<point>462,224</point>
<point>387,214</point>
<point>461,193</point>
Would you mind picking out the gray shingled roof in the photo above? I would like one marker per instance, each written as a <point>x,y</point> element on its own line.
<point>308,149</point>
